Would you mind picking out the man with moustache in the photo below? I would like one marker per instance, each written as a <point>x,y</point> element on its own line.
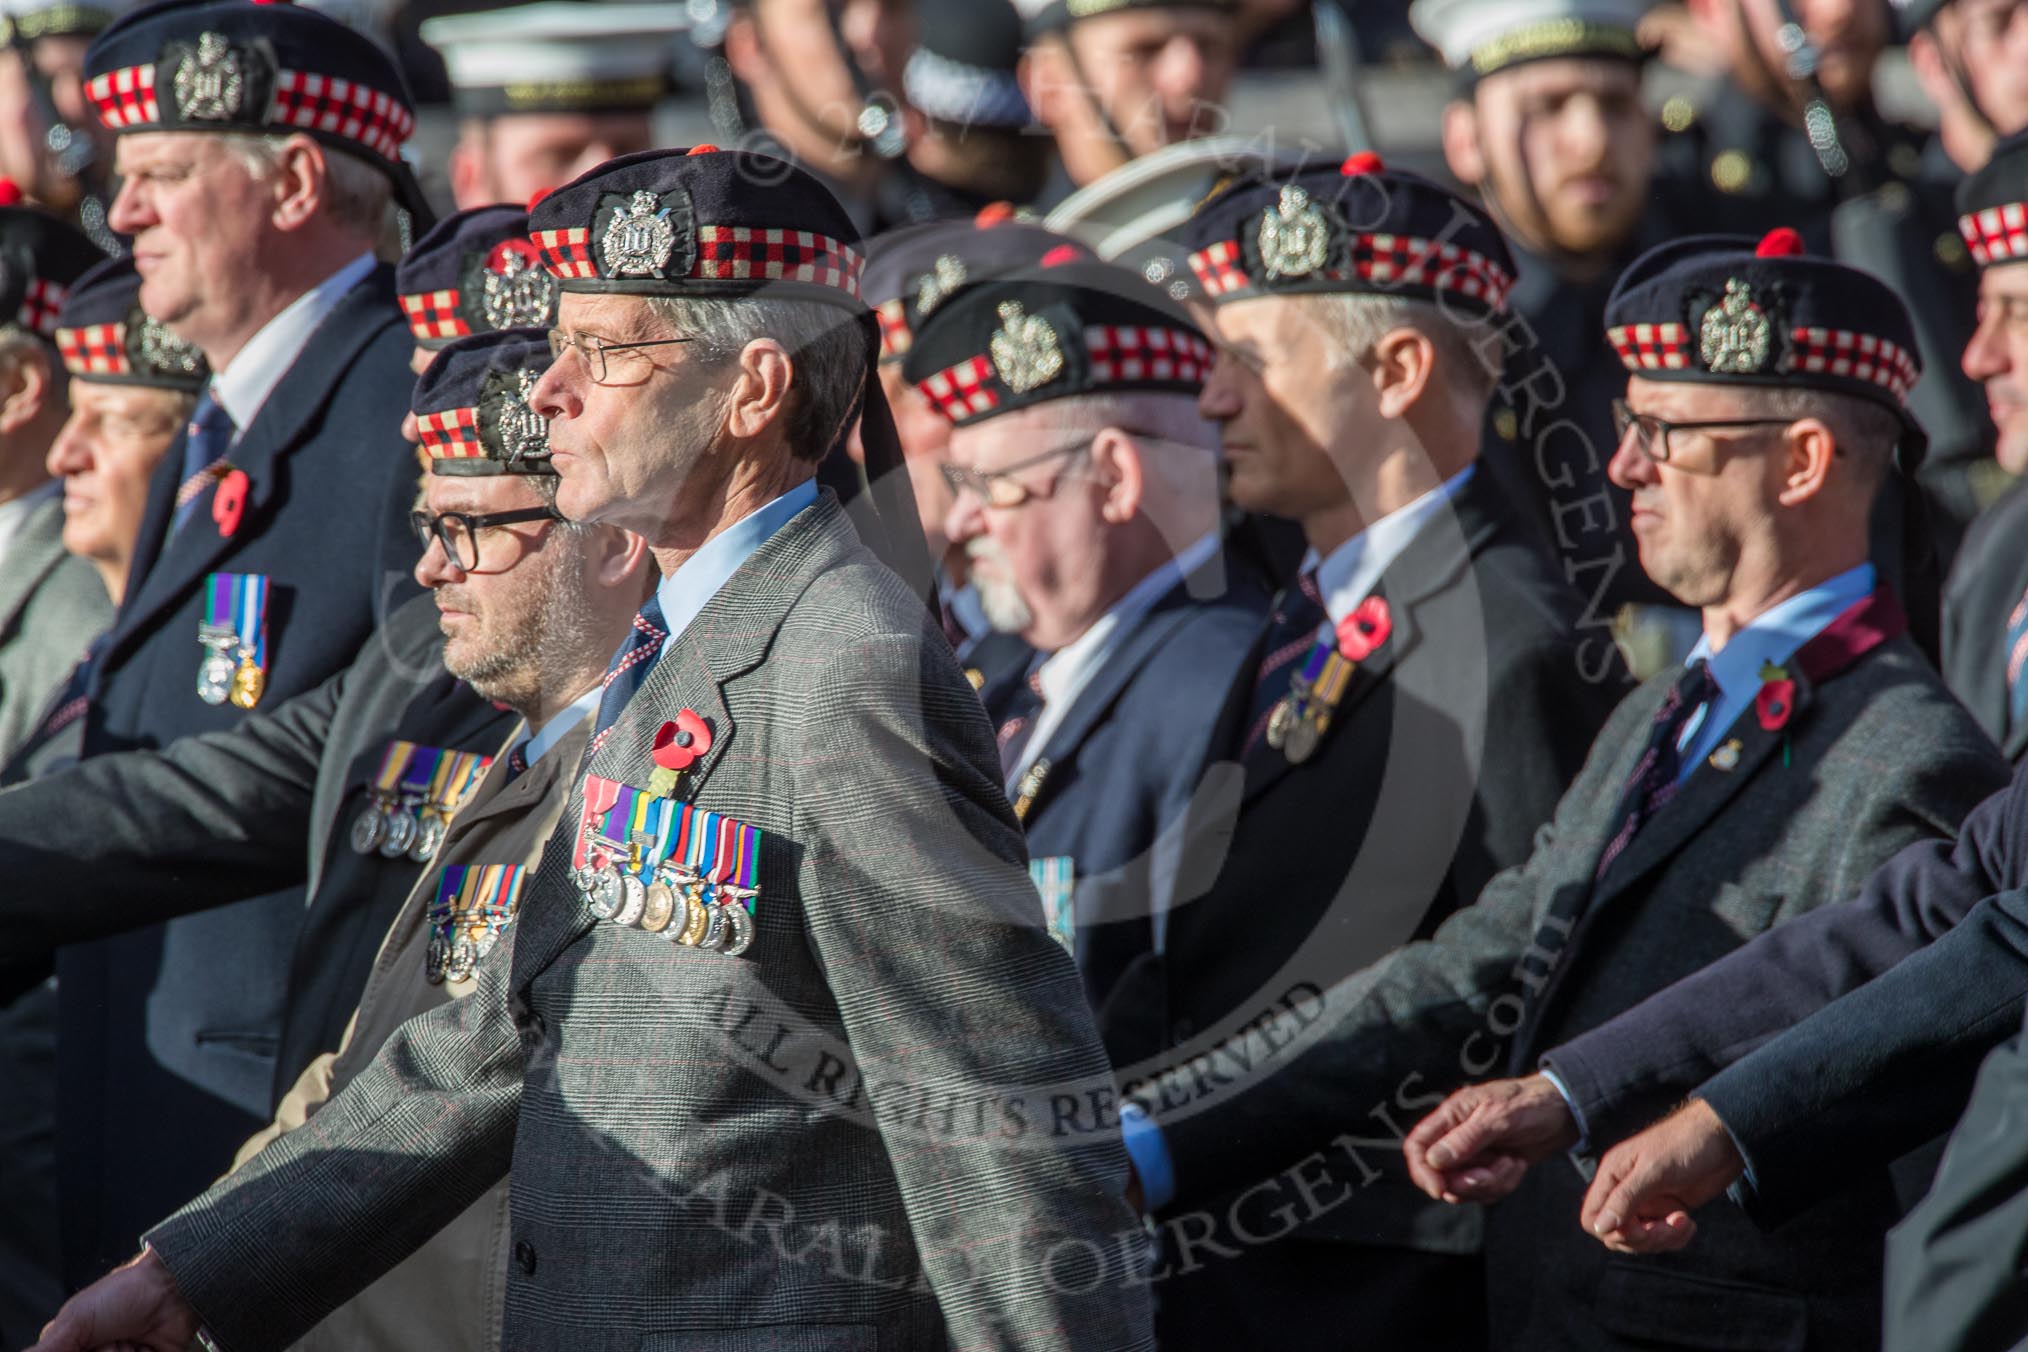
<point>1088,505</point>
<point>786,750</point>
<point>258,149</point>
<point>1400,733</point>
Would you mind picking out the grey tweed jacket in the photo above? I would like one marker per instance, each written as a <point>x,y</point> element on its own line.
<point>888,1125</point>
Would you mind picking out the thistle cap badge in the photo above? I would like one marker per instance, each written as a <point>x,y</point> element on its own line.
<point>210,83</point>
<point>1735,337</point>
<point>639,240</point>
<point>1026,354</point>
<point>1295,238</point>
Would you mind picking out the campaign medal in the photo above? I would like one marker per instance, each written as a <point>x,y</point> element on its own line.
<point>404,817</point>
<point>1298,721</point>
<point>233,634</point>
<point>619,837</point>
<point>456,773</point>
<point>714,861</point>
<point>1055,879</point>
<point>369,829</point>
<point>658,907</point>
<point>473,905</point>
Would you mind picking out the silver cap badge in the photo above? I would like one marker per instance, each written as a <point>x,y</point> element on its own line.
<point>1294,237</point>
<point>638,241</point>
<point>1025,351</point>
<point>1735,337</point>
<point>210,84</point>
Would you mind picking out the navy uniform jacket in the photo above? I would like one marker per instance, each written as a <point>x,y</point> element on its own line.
<point>175,1025</point>
<point>1988,581</point>
<point>1448,752</point>
<point>1122,768</point>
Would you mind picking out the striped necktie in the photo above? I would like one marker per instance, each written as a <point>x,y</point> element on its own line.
<point>205,445</point>
<point>1654,779</point>
<point>2017,663</point>
<point>1291,635</point>
<point>630,666</point>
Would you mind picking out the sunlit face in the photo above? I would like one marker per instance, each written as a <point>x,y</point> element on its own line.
<point>198,218</point>
<point>515,156</point>
<point>1989,40</point>
<point>1997,357</point>
<point>105,455</point>
<point>1692,515</point>
<point>1161,75</point>
<point>1281,410</point>
<point>1568,150</point>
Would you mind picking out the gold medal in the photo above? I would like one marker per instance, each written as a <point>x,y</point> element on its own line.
<point>247,683</point>
<point>1280,719</point>
<point>696,919</point>
<point>1300,741</point>
<point>659,907</point>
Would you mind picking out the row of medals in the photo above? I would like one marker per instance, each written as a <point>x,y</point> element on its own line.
<point>224,677</point>
<point>1296,725</point>
<point>458,958</point>
<point>673,905</point>
<point>408,827</point>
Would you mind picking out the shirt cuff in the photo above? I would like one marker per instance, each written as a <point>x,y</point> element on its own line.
<point>1583,1146</point>
<point>1150,1154</point>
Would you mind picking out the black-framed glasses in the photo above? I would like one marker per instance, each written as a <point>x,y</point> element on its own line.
<point>998,487</point>
<point>460,533</point>
<point>599,355</point>
<point>1651,434</point>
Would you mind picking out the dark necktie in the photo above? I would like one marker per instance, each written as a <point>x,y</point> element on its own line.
<point>1024,706</point>
<point>1653,781</point>
<point>517,762</point>
<point>2017,663</point>
<point>1290,636</point>
<point>205,446</point>
<point>630,666</point>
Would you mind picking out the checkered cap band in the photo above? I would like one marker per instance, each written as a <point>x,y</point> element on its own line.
<point>434,314</point>
<point>963,391</point>
<point>896,338</point>
<point>1133,354</point>
<point>1381,261</point>
<point>451,434</point>
<point>566,253</point>
<point>1854,356</point>
<point>95,350</point>
<point>369,117</point>
<point>39,307</point>
<point>1651,347</point>
<point>1996,234</point>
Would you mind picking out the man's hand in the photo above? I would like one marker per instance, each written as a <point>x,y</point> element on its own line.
<point>1646,1186</point>
<point>1479,1143</point>
<point>135,1306</point>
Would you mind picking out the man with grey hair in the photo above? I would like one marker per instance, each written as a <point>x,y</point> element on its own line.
<point>778,1002</point>
<point>1088,506</point>
<point>1401,732</point>
<point>258,148</point>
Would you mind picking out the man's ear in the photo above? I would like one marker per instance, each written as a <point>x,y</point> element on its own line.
<point>302,182</point>
<point>1402,364</point>
<point>1461,143</point>
<point>26,382</point>
<point>1116,462</point>
<point>468,168</point>
<point>760,389</point>
<point>621,558</point>
<point>1808,448</point>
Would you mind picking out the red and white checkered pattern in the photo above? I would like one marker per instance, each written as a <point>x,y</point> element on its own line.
<point>1651,347</point>
<point>1856,356</point>
<point>1131,352</point>
<point>739,253</point>
<point>567,252</point>
<point>434,314</point>
<point>1997,233</point>
<point>452,434</point>
<point>964,390</point>
<point>369,117</point>
<point>896,338</point>
<point>125,97</point>
<point>94,350</point>
<point>39,307</point>
<point>1218,270</point>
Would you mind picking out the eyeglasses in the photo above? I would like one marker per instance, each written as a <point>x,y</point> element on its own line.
<point>602,358</point>
<point>1651,434</point>
<point>998,488</point>
<point>459,532</point>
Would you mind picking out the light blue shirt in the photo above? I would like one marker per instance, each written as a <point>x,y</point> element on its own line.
<point>535,745</point>
<point>690,588</point>
<point>1773,636</point>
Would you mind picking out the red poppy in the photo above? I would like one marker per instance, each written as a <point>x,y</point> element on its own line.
<point>228,503</point>
<point>1361,633</point>
<point>1776,699</point>
<point>679,744</point>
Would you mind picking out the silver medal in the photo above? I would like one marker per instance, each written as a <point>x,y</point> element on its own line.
<point>633,900</point>
<point>605,892</point>
<point>428,837</point>
<point>739,930</point>
<point>370,827</point>
<point>714,926</point>
<point>464,957</point>
<point>437,959</point>
<point>214,678</point>
<point>401,832</point>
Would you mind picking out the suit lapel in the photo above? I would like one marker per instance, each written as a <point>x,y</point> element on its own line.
<point>169,566</point>
<point>729,637</point>
<point>36,550</point>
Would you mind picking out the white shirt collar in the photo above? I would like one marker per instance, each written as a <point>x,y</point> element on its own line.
<point>1064,674</point>
<point>538,743</point>
<point>1354,568</point>
<point>690,588</point>
<point>244,386</point>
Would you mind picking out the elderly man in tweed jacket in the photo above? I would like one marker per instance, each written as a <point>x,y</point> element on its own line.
<point>871,1111</point>
<point>1806,741</point>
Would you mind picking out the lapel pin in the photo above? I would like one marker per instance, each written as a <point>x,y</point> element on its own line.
<point>1727,756</point>
<point>678,745</point>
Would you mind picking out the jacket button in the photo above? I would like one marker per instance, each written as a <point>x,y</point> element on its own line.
<point>524,1256</point>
